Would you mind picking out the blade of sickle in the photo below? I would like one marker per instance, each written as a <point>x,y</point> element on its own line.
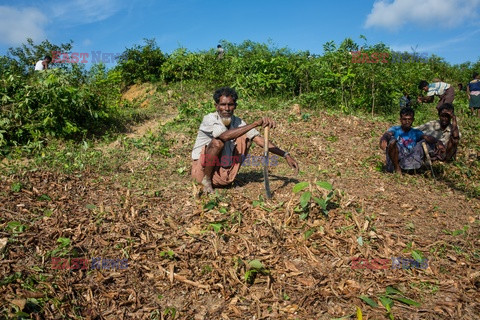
<point>265,164</point>
<point>427,158</point>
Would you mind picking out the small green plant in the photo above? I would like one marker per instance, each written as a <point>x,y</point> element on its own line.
<point>309,233</point>
<point>426,286</point>
<point>306,116</point>
<point>206,269</point>
<point>214,202</point>
<point>217,226</point>
<point>11,278</point>
<point>223,210</point>
<point>387,300</point>
<point>308,200</point>
<point>210,205</point>
<point>63,248</point>
<point>332,138</point>
<point>457,232</point>
<point>408,248</point>
<point>16,227</point>
<point>181,171</point>
<point>254,267</point>
<point>16,186</point>
<point>170,255</point>
<point>44,197</point>
<point>418,256</point>
<point>291,118</point>
<point>260,202</point>
<point>170,312</point>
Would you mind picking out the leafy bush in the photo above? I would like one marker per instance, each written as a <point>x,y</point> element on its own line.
<point>50,103</point>
<point>141,64</point>
<point>106,84</point>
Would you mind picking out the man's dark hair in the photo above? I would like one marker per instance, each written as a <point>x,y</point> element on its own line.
<point>219,46</point>
<point>227,92</point>
<point>446,106</point>
<point>407,111</point>
<point>422,84</point>
<point>47,58</point>
<point>475,74</point>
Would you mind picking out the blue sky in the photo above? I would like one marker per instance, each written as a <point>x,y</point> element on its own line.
<point>447,28</point>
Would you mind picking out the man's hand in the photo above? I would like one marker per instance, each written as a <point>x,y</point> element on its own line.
<point>266,122</point>
<point>455,134</point>
<point>292,163</point>
<point>385,139</point>
<point>451,114</point>
<point>419,99</point>
<point>440,146</point>
<point>383,144</point>
<point>440,149</point>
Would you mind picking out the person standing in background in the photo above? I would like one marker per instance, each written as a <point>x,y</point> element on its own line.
<point>220,52</point>
<point>473,93</point>
<point>43,64</point>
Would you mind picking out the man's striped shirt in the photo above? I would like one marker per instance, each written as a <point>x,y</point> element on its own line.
<point>437,88</point>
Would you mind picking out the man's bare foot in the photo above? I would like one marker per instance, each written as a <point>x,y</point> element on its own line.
<point>207,185</point>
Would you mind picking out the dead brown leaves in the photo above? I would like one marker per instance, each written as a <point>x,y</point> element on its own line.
<point>177,260</point>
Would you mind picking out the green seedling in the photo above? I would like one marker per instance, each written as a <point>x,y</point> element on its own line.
<point>254,267</point>
<point>309,199</point>
<point>170,255</point>
<point>62,249</point>
<point>16,186</point>
<point>170,313</point>
<point>387,300</point>
<point>16,227</point>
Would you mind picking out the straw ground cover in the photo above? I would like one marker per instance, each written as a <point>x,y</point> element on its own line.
<point>235,255</point>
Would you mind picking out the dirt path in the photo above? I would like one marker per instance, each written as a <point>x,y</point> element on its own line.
<point>190,256</point>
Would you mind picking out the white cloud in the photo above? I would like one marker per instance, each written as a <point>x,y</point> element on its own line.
<point>78,12</point>
<point>16,25</point>
<point>435,46</point>
<point>431,13</point>
<point>29,19</point>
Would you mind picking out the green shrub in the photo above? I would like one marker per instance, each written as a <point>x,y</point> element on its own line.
<point>52,103</point>
<point>141,63</point>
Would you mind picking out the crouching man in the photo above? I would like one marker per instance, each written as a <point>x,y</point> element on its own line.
<point>444,129</point>
<point>223,141</point>
<point>402,144</point>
